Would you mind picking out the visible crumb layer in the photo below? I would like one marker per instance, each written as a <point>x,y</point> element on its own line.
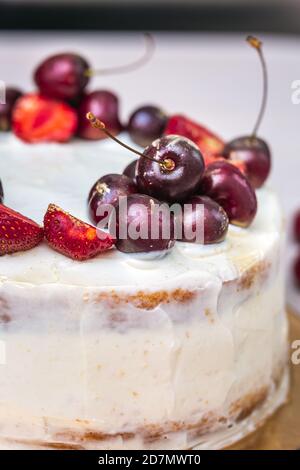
<point>147,300</point>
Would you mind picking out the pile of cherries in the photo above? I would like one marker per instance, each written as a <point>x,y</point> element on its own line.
<point>183,162</point>
<point>172,170</point>
<point>188,165</point>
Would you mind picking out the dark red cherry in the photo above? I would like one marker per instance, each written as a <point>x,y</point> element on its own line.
<point>62,76</point>
<point>140,227</point>
<point>256,156</point>
<point>107,190</point>
<point>1,193</point>
<point>297,271</point>
<point>105,106</point>
<point>11,96</point>
<point>297,226</point>
<point>203,221</point>
<point>146,124</point>
<point>170,169</point>
<point>225,184</point>
<point>130,170</point>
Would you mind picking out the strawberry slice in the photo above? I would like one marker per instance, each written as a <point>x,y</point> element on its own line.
<point>208,142</point>
<point>39,119</point>
<point>17,232</point>
<point>210,145</point>
<point>73,237</point>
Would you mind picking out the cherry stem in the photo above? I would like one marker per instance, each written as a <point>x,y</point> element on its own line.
<point>148,53</point>
<point>257,44</point>
<point>166,164</point>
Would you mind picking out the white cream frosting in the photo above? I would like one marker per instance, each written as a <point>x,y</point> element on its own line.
<point>71,356</point>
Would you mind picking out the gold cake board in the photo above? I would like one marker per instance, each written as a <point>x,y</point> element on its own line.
<point>282,430</point>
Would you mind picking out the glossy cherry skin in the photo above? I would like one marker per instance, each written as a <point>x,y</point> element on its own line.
<point>107,190</point>
<point>139,214</point>
<point>1,193</point>
<point>225,184</point>
<point>256,156</point>
<point>11,96</point>
<point>146,124</point>
<point>105,106</point>
<point>174,185</point>
<point>130,170</point>
<point>62,76</point>
<point>297,271</point>
<point>211,218</point>
<point>297,226</point>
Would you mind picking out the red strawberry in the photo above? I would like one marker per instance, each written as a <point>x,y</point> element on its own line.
<point>210,145</point>
<point>72,237</point>
<point>17,232</point>
<point>39,119</point>
<point>208,142</point>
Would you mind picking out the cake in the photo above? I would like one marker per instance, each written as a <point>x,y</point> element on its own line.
<point>135,351</point>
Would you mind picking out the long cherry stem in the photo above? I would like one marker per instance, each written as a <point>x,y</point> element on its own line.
<point>166,164</point>
<point>257,44</point>
<point>148,53</point>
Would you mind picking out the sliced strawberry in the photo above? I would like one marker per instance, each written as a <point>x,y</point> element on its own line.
<point>17,232</point>
<point>72,237</point>
<point>208,142</point>
<point>39,119</point>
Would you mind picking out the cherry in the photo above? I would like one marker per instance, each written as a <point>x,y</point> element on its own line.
<point>146,124</point>
<point>169,169</point>
<point>226,185</point>
<point>251,150</point>
<point>104,105</point>
<point>65,76</point>
<point>143,231</point>
<point>297,271</point>
<point>11,96</point>
<point>297,226</point>
<point>106,191</point>
<point>213,221</point>
<point>130,170</point>
<point>1,193</point>
<point>62,76</point>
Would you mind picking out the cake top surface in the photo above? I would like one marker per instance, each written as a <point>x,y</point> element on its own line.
<point>36,175</point>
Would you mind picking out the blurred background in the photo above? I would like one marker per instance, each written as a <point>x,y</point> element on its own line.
<point>202,66</point>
